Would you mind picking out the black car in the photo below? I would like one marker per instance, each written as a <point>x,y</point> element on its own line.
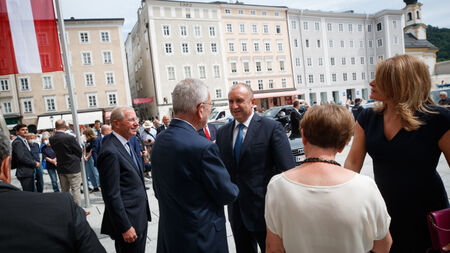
<point>280,114</point>
<point>297,150</point>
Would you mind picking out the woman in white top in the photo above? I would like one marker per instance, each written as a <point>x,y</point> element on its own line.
<point>320,206</point>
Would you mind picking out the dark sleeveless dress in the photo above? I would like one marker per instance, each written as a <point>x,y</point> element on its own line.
<point>405,172</point>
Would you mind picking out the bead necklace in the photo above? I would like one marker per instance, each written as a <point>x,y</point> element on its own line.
<point>317,159</point>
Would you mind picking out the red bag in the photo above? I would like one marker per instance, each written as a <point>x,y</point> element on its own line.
<point>439,226</point>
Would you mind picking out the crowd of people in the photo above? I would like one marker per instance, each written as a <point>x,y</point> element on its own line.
<point>246,165</point>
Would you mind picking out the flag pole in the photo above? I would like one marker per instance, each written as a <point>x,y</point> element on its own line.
<point>73,101</point>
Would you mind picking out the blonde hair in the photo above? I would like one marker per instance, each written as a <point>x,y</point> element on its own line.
<point>328,126</point>
<point>406,81</point>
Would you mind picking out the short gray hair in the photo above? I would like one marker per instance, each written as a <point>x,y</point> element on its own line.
<point>5,146</point>
<point>188,94</point>
<point>443,93</point>
<point>117,114</point>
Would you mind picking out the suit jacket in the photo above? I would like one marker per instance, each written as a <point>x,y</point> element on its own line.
<point>295,124</point>
<point>192,186</point>
<point>23,159</point>
<point>161,128</point>
<point>55,224</point>
<point>212,132</point>
<point>265,152</point>
<point>96,146</point>
<point>123,190</point>
<point>68,153</point>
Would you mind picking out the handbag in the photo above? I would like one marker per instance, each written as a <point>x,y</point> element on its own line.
<point>439,226</point>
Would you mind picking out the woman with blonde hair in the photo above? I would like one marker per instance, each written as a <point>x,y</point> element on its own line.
<point>320,206</point>
<point>405,137</point>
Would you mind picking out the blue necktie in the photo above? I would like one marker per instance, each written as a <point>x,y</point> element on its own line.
<point>238,143</point>
<point>132,155</point>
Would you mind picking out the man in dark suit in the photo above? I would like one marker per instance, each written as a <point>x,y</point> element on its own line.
<point>105,130</point>
<point>164,125</point>
<point>190,181</point>
<point>253,149</point>
<point>209,131</point>
<point>122,179</point>
<point>23,159</point>
<point>68,156</point>
<point>295,121</point>
<point>40,222</point>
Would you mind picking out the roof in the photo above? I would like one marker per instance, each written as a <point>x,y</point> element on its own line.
<point>412,42</point>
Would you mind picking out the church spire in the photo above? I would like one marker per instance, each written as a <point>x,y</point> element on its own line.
<point>413,19</point>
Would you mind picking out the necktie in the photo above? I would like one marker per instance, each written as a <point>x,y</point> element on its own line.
<point>132,155</point>
<point>207,133</point>
<point>238,143</point>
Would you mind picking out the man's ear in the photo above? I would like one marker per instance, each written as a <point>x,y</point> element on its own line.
<point>304,141</point>
<point>5,170</point>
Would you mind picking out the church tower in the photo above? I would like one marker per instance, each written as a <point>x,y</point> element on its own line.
<point>413,20</point>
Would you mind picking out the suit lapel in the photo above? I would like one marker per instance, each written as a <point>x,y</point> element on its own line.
<point>125,153</point>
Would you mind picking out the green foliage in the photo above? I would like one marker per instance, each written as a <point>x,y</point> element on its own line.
<point>440,37</point>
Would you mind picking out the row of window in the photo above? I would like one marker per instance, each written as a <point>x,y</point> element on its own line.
<point>256,47</point>
<point>334,78</point>
<point>188,73</point>
<point>320,61</point>
<point>270,83</point>
<point>258,66</point>
<point>85,37</point>
<point>50,103</point>
<point>87,59</point>
<point>254,28</point>
<point>184,31</point>
<point>350,43</point>
<point>47,82</point>
<point>252,12</point>
<point>186,49</point>
<point>340,27</point>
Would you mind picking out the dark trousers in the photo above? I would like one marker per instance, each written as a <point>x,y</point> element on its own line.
<point>137,247</point>
<point>27,183</point>
<point>247,241</point>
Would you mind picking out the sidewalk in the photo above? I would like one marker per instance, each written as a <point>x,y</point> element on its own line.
<point>97,205</point>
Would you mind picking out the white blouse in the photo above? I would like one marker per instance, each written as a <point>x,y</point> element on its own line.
<point>341,218</point>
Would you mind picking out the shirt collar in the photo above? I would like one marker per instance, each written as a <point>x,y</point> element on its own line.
<point>120,137</point>
<point>186,122</point>
<point>246,123</point>
<point>61,131</point>
<point>23,139</point>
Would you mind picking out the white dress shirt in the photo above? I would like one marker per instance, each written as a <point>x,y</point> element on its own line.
<point>244,130</point>
<point>123,141</point>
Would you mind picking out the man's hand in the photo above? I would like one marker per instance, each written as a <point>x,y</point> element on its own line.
<point>130,235</point>
<point>38,164</point>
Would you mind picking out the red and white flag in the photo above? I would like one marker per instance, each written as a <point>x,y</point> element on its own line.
<point>28,37</point>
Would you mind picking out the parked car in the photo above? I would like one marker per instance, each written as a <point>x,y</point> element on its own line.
<point>218,113</point>
<point>220,123</point>
<point>297,150</point>
<point>280,114</point>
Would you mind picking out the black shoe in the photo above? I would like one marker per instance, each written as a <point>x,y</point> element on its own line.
<point>96,189</point>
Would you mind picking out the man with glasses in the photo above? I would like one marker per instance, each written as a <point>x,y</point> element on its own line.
<point>189,179</point>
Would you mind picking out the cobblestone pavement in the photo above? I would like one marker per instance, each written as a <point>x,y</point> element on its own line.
<point>97,206</point>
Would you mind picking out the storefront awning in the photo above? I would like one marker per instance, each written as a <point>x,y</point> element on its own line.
<point>278,94</point>
<point>84,118</point>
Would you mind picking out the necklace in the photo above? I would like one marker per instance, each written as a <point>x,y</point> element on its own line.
<point>317,159</point>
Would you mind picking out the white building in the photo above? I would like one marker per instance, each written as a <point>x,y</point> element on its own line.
<point>334,54</point>
<point>180,40</point>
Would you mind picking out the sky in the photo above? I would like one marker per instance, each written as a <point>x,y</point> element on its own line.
<point>434,12</point>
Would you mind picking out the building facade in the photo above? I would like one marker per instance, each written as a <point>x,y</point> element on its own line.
<point>334,54</point>
<point>97,61</point>
<point>184,41</point>
<point>257,51</point>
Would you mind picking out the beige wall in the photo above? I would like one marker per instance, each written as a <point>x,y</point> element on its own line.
<point>236,19</point>
<point>59,91</point>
